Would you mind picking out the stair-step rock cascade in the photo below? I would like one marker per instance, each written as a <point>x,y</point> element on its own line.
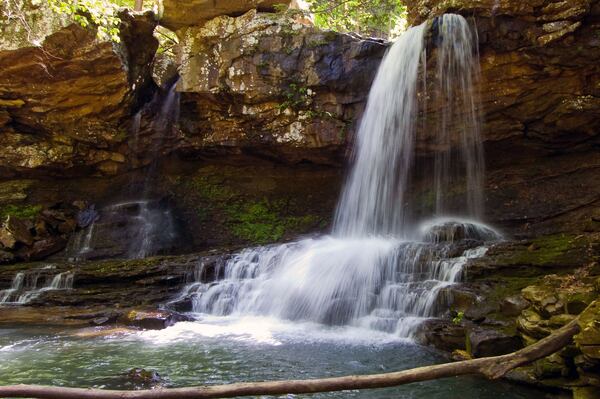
<point>27,286</point>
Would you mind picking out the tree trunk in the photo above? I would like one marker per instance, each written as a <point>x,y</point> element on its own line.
<point>139,5</point>
<point>490,367</point>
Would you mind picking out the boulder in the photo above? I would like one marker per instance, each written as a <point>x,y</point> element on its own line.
<point>513,305</point>
<point>176,14</point>
<point>588,340</point>
<point>65,93</point>
<point>485,342</point>
<point>154,319</point>
<point>15,230</point>
<point>442,334</point>
<point>43,248</point>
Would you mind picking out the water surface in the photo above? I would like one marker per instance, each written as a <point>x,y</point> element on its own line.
<point>221,350</point>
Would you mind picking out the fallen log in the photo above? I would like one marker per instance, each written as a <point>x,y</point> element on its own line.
<point>490,367</point>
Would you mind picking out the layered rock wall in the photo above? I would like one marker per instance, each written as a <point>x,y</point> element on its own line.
<point>65,94</point>
<point>265,84</point>
<point>540,82</point>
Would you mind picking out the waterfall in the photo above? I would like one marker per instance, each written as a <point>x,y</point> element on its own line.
<point>141,226</point>
<point>26,286</point>
<point>131,229</point>
<point>384,264</point>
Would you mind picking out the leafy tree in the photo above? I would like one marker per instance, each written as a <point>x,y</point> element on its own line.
<point>368,17</point>
<point>99,13</point>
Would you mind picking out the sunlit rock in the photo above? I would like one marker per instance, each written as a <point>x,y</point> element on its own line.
<point>64,93</point>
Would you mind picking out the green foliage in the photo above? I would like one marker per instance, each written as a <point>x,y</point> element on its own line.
<point>296,97</point>
<point>261,222</point>
<point>458,318</point>
<point>101,14</point>
<point>368,17</point>
<point>167,40</point>
<point>20,211</point>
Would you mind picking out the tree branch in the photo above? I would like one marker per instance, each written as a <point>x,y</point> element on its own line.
<point>490,367</point>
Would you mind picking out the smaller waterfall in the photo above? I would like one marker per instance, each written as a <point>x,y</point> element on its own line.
<point>142,226</point>
<point>27,286</point>
<point>131,229</point>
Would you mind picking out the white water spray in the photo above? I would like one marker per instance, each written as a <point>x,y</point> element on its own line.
<point>26,286</point>
<point>384,266</point>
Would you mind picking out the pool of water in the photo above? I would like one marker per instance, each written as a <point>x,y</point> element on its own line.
<point>225,350</point>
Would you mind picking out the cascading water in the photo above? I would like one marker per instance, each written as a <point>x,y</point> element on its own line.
<point>130,229</point>
<point>382,267</point>
<point>135,228</point>
<point>27,286</point>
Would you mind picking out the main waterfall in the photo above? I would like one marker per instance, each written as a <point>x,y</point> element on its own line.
<point>384,264</point>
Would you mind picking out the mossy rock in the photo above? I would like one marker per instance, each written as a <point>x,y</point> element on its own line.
<point>588,340</point>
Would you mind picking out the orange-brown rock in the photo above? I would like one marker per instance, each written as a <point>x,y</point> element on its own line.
<point>176,14</point>
<point>64,93</point>
<point>265,84</point>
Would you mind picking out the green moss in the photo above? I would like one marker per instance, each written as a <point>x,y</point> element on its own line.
<point>250,219</point>
<point>548,250</point>
<point>20,211</point>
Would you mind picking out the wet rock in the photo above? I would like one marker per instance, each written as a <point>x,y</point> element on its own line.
<point>442,334</point>
<point>513,305</point>
<point>484,343</point>
<point>43,248</point>
<point>175,14</point>
<point>143,378</point>
<point>6,257</point>
<point>155,319</point>
<point>454,231</point>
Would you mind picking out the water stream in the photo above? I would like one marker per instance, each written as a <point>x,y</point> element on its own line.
<point>140,226</point>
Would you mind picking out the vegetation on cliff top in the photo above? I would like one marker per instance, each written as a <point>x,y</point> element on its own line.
<point>379,18</point>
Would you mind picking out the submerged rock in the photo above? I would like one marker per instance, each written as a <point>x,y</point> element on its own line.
<point>154,319</point>
<point>143,378</point>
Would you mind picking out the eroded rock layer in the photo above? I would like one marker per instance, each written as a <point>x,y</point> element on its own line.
<point>65,94</point>
<point>262,83</point>
<point>540,91</point>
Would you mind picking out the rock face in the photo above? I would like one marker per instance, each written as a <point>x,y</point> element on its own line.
<point>540,90</point>
<point>264,84</point>
<point>65,94</point>
<point>176,14</point>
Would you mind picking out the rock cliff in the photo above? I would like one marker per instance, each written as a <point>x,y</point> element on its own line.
<point>65,94</point>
